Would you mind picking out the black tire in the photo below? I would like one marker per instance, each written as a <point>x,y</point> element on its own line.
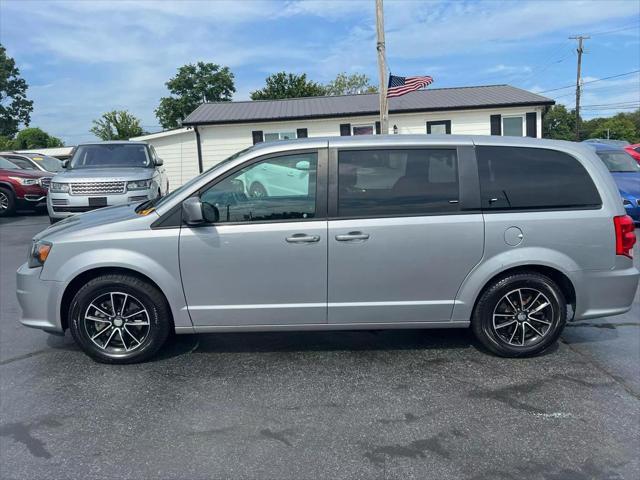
<point>257,190</point>
<point>499,321</point>
<point>133,293</point>
<point>7,202</point>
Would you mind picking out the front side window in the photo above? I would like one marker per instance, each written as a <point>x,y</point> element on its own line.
<point>116,155</point>
<point>512,126</point>
<point>397,182</point>
<point>274,136</point>
<point>533,178</point>
<point>280,188</point>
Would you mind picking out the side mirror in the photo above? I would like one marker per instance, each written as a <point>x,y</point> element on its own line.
<point>65,164</point>
<point>195,212</point>
<point>303,165</point>
<point>159,162</point>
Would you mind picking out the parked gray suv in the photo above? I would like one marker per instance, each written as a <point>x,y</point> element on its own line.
<point>511,236</point>
<point>100,174</point>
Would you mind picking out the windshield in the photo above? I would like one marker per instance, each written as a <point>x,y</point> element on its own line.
<point>160,200</point>
<point>50,164</point>
<point>117,155</point>
<point>4,163</point>
<point>619,161</point>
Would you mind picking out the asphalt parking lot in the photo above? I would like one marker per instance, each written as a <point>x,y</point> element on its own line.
<point>371,405</point>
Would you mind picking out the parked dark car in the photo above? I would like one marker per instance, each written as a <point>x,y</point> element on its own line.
<point>34,161</point>
<point>21,188</point>
<point>634,151</point>
<point>626,173</point>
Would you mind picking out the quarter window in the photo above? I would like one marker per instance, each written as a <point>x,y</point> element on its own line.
<point>397,182</point>
<point>512,126</point>
<point>533,178</point>
<point>281,188</point>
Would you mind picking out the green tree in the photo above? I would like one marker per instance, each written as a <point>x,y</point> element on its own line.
<point>117,125</point>
<point>15,108</point>
<point>7,143</point>
<point>345,84</point>
<point>559,123</point>
<point>288,85</point>
<point>193,85</point>
<point>29,138</point>
<point>616,128</point>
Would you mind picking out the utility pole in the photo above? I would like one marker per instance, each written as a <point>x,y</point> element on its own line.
<point>382,68</point>
<point>580,38</point>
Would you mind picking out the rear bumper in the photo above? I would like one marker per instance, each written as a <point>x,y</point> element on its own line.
<point>38,299</point>
<point>605,293</point>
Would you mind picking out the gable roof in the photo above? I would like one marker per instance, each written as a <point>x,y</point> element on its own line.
<point>436,99</point>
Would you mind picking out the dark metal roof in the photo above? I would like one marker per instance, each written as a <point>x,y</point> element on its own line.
<point>434,99</point>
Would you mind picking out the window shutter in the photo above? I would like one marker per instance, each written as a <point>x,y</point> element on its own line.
<point>345,129</point>
<point>302,133</point>
<point>532,124</point>
<point>378,128</point>
<point>496,124</point>
<point>257,136</point>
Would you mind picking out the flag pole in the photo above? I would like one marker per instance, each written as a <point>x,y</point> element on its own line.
<point>382,68</point>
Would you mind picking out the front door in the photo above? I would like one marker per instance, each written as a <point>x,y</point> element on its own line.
<point>265,261</point>
<point>400,244</point>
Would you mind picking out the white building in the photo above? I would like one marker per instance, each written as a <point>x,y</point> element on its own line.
<point>215,131</point>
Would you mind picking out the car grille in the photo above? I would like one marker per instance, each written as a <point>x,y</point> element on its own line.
<point>45,182</point>
<point>97,188</point>
<point>59,201</point>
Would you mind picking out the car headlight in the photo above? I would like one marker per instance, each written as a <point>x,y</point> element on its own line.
<point>57,187</point>
<point>39,253</point>
<point>25,181</point>
<point>139,185</point>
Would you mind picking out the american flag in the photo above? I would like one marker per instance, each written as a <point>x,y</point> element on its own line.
<point>401,85</point>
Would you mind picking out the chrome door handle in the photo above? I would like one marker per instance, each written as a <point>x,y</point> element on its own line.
<point>302,238</point>
<point>352,237</point>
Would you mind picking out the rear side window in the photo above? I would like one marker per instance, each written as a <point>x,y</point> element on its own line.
<point>533,178</point>
<point>397,182</point>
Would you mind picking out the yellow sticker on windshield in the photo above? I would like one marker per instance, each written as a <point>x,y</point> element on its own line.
<point>145,212</point>
<point>37,158</point>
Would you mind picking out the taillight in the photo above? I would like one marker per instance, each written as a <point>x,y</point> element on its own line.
<point>625,235</point>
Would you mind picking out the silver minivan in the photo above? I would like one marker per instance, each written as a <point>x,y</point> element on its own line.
<point>101,174</point>
<point>512,237</point>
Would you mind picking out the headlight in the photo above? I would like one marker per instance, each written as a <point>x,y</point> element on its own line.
<point>39,253</point>
<point>139,185</point>
<point>57,187</point>
<point>25,181</point>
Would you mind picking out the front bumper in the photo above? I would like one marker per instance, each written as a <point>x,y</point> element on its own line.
<point>62,205</point>
<point>38,299</point>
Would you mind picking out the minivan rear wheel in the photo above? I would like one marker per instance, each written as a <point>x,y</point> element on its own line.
<point>119,319</point>
<point>520,315</point>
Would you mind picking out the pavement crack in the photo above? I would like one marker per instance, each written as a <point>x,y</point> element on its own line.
<point>24,357</point>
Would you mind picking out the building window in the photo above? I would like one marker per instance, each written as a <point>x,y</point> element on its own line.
<point>368,129</point>
<point>440,127</point>
<point>274,136</point>
<point>512,126</point>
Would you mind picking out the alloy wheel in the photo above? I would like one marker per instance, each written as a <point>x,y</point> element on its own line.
<point>4,202</point>
<point>116,322</point>
<point>523,317</point>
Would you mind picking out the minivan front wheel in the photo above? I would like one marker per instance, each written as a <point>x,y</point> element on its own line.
<point>520,315</point>
<point>119,319</point>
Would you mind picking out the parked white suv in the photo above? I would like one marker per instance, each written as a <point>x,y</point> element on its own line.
<point>106,173</point>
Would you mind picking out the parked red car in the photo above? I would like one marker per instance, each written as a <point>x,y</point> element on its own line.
<point>21,189</point>
<point>634,151</point>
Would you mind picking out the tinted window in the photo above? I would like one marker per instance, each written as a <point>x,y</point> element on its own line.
<point>4,163</point>
<point>22,163</point>
<point>397,182</point>
<point>517,178</point>
<point>281,188</point>
<point>618,161</point>
<point>111,155</point>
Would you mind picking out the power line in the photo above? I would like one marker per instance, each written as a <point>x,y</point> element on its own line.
<point>592,81</point>
<point>621,29</point>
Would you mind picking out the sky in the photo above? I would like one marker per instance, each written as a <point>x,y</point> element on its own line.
<point>83,58</point>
